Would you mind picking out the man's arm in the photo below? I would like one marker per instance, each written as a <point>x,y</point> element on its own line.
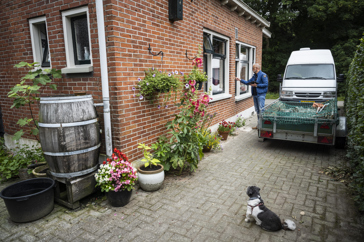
<point>264,82</point>
<point>247,82</point>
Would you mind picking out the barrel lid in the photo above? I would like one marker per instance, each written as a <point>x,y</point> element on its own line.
<point>62,99</point>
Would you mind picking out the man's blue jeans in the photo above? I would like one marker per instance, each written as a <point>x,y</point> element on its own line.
<point>259,102</point>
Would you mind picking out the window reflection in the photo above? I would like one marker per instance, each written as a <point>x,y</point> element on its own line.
<point>217,76</point>
<point>80,40</point>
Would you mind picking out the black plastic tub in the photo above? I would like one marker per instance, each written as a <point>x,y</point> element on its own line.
<point>29,200</point>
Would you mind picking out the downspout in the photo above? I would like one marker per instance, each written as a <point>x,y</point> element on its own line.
<point>104,75</point>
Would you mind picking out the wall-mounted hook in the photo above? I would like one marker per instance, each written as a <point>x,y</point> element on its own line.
<point>189,58</point>
<point>159,53</point>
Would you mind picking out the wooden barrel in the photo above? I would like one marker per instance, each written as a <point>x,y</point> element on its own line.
<point>69,135</point>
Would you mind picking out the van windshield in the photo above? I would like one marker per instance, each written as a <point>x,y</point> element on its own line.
<point>310,71</point>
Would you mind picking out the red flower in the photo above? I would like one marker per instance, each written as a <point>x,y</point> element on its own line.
<point>104,162</point>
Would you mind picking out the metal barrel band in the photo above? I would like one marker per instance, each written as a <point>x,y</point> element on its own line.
<point>76,152</point>
<point>66,99</point>
<point>58,125</point>
<point>74,174</point>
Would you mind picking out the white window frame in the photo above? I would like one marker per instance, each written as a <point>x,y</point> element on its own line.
<point>225,94</point>
<point>252,55</point>
<point>36,41</point>
<point>67,31</point>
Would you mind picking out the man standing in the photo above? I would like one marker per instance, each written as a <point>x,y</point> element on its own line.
<point>259,84</point>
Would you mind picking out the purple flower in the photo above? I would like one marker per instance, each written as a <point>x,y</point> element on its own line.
<point>159,106</point>
<point>181,73</point>
<point>141,97</point>
<point>166,106</point>
<point>153,75</point>
<point>160,71</point>
<point>139,79</point>
<point>134,95</point>
<point>147,83</point>
<point>133,88</point>
<point>153,68</point>
<point>176,72</point>
<point>169,74</point>
<point>187,86</point>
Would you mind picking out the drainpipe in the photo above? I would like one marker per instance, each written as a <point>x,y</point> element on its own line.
<point>104,76</point>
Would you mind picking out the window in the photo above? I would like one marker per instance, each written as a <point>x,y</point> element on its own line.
<point>77,40</point>
<point>244,60</point>
<point>39,38</point>
<point>216,64</point>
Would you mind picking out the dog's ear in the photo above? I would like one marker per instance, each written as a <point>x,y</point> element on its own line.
<point>258,189</point>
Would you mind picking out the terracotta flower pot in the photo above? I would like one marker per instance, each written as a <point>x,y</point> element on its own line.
<point>224,134</point>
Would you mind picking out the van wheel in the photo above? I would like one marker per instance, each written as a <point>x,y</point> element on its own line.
<point>340,142</point>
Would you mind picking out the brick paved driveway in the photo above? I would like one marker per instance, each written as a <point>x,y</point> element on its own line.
<point>210,204</point>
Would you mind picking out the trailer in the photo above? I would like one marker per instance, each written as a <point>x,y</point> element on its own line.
<point>303,121</point>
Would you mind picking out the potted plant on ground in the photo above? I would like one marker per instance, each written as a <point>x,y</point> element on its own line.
<point>225,128</point>
<point>151,175</point>
<point>116,177</point>
<point>211,141</point>
<point>239,122</point>
<point>157,82</point>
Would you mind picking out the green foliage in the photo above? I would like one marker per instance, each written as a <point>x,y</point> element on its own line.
<point>11,162</point>
<point>324,24</point>
<point>162,150</point>
<point>240,122</point>
<point>156,82</point>
<point>28,90</point>
<point>148,157</point>
<point>354,106</point>
<point>272,95</point>
<point>211,140</point>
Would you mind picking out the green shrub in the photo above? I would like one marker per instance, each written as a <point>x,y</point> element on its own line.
<point>11,162</point>
<point>354,106</point>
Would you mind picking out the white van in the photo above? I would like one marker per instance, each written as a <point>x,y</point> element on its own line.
<point>309,76</point>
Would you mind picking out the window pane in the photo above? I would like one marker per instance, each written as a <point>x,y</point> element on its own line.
<point>44,45</point>
<point>205,69</point>
<point>217,76</point>
<point>80,40</point>
<point>244,75</point>
<point>207,44</point>
<point>244,53</point>
<point>237,51</point>
<point>219,46</point>
<point>253,57</point>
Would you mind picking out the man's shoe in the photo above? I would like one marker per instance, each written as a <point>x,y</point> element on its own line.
<point>254,127</point>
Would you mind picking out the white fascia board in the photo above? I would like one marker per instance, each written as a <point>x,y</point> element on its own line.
<point>251,12</point>
<point>267,33</point>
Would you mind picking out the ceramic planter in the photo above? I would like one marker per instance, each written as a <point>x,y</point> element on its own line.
<point>119,198</point>
<point>224,134</point>
<point>151,179</point>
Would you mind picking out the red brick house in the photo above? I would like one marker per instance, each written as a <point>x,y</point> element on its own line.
<point>68,35</point>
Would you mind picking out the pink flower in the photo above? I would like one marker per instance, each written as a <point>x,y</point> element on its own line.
<point>197,62</point>
<point>192,83</point>
<point>193,90</point>
<point>204,98</point>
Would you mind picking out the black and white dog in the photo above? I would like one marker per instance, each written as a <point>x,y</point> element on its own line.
<point>265,218</point>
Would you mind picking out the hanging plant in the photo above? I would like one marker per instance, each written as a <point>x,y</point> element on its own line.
<point>157,82</point>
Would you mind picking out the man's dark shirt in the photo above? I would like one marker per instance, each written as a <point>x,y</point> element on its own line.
<point>254,88</point>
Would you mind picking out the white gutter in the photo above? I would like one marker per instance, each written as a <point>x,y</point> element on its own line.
<point>267,33</point>
<point>104,75</point>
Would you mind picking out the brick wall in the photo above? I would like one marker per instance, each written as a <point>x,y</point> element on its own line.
<point>130,27</point>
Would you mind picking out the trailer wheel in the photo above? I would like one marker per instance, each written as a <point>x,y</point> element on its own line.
<point>340,142</point>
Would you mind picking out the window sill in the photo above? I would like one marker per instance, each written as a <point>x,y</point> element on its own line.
<point>77,69</point>
<point>243,96</point>
<point>219,97</point>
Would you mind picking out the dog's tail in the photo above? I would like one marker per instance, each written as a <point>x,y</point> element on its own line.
<point>288,225</point>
